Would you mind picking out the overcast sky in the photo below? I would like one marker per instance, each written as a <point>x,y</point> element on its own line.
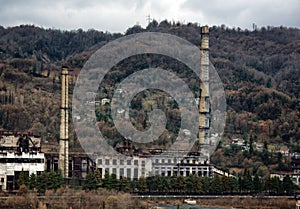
<point>118,15</point>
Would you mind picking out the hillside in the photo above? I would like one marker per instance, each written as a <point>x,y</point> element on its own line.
<point>260,71</point>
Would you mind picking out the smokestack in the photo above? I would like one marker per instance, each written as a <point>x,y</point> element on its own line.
<point>204,107</point>
<point>64,134</point>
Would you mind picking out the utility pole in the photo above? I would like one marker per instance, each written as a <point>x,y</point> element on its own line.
<point>148,19</point>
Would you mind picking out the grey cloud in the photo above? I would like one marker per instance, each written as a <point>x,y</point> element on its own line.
<point>243,13</point>
<point>118,15</point>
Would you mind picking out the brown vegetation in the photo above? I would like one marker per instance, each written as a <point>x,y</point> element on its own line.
<point>68,198</point>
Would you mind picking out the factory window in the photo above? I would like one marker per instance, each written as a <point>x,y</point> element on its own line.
<point>114,171</point>
<point>143,171</point>
<point>55,165</point>
<point>129,173</point>
<point>136,162</point>
<point>106,161</point>
<point>136,173</point>
<point>100,161</point>
<point>128,162</point>
<point>114,162</point>
<point>121,172</point>
<point>2,180</point>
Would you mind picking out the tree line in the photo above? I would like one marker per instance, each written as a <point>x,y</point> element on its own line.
<point>192,184</point>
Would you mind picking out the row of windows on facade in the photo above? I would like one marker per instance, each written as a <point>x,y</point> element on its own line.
<point>175,161</point>
<point>122,173</point>
<point>120,162</point>
<point>194,168</point>
<point>136,162</point>
<point>182,173</point>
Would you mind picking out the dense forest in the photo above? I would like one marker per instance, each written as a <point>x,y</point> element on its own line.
<point>259,70</point>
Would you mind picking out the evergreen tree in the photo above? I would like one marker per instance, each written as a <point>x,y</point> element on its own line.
<point>23,179</point>
<point>265,157</point>
<point>233,184</point>
<point>166,186</point>
<point>198,185</point>
<point>107,181</point>
<point>173,183</point>
<point>133,184</point>
<point>32,181</point>
<point>251,150</point>
<point>248,182</point>
<point>58,180</point>
<point>268,185</point>
<point>288,185</point>
<point>150,184</point>
<point>142,184</point>
<point>205,181</point>
<point>181,182</point>
<point>98,177</point>
<point>279,161</point>
<point>158,183</point>
<point>90,182</point>
<point>114,182</point>
<point>216,186</point>
<point>124,185</point>
<point>257,184</point>
<point>41,182</point>
<point>225,184</point>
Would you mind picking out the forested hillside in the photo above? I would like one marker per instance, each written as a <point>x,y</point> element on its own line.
<point>260,71</point>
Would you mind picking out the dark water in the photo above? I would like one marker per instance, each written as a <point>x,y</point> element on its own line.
<point>188,207</point>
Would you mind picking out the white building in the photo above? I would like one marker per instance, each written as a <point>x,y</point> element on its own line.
<point>136,167</point>
<point>19,153</point>
<point>129,167</point>
<point>189,165</point>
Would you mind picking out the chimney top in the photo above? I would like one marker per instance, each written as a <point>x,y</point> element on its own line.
<point>204,29</point>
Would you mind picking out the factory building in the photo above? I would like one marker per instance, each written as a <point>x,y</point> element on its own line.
<point>130,167</point>
<point>19,152</point>
<point>79,164</point>
<point>154,163</point>
<point>136,167</point>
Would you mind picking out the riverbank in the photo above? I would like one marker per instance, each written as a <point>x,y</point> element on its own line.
<point>246,202</point>
<point>110,199</point>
